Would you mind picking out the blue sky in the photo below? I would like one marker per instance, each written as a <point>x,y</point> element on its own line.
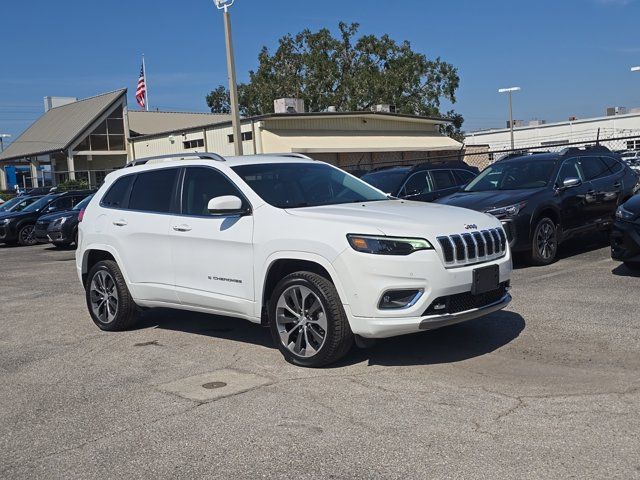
<point>571,57</point>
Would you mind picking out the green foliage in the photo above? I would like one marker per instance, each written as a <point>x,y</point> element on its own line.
<point>6,196</point>
<point>352,74</point>
<point>72,185</point>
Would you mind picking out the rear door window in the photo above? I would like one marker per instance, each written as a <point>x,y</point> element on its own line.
<point>153,191</point>
<point>612,164</point>
<point>442,179</point>
<point>117,195</point>
<point>464,176</point>
<point>594,167</point>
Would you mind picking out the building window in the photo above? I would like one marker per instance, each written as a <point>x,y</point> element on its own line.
<point>107,136</point>
<point>633,144</point>
<point>197,143</point>
<point>245,137</point>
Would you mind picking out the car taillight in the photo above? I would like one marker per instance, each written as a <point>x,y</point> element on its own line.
<point>81,215</point>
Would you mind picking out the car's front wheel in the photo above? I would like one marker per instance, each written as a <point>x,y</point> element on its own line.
<point>26,236</point>
<point>108,299</point>
<point>307,320</point>
<point>545,242</point>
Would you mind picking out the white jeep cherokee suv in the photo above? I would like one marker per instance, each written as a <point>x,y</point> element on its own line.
<point>317,254</point>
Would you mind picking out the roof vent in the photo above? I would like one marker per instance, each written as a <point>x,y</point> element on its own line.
<point>385,108</point>
<point>53,102</point>
<point>611,111</point>
<point>288,105</point>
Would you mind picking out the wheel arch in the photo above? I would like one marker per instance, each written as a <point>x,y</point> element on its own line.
<point>97,253</point>
<point>549,211</point>
<point>282,264</point>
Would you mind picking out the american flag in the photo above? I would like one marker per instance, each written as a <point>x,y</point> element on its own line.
<point>141,91</point>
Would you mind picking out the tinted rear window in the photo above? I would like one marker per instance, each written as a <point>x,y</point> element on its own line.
<point>152,191</point>
<point>116,196</point>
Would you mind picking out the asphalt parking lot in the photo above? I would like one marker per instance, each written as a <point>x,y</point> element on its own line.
<point>546,389</point>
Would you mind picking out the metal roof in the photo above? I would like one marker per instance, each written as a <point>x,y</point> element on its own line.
<point>60,126</point>
<point>150,123</point>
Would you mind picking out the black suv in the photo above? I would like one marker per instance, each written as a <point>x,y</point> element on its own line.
<point>425,182</point>
<point>60,228</point>
<point>545,198</point>
<point>18,227</point>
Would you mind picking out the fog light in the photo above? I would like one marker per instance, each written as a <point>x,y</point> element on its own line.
<point>395,299</point>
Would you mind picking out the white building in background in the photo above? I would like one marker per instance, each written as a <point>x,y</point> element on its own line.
<point>539,134</point>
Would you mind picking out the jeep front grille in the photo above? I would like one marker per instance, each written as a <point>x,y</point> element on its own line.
<point>476,247</point>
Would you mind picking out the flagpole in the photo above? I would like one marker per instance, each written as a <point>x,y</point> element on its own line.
<point>146,83</point>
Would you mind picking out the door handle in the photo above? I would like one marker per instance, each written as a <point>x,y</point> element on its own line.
<point>120,223</point>
<point>182,228</point>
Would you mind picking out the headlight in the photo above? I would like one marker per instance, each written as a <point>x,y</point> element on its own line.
<point>624,214</point>
<point>381,245</point>
<point>59,221</point>
<point>508,211</point>
<point>5,221</point>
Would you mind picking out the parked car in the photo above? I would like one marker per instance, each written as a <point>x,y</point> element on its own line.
<point>425,182</point>
<point>18,227</point>
<point>17,204</point>
<point>60,228</point>
<point>320,256</point>
<point>632,159</point>
<point>625,236</point>
<point>544,199</point>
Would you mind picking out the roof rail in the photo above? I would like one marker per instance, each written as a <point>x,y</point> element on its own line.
<point>176,156</point>
<point>288,154</point>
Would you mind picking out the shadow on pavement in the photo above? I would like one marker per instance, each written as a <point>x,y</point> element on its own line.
<point>570,248</point>
<point>450,344</point>
<point>623,271</point>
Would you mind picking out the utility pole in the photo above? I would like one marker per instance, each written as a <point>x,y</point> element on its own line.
<point>510,90</point>
<point>2,137</point>
<point>231,72</point>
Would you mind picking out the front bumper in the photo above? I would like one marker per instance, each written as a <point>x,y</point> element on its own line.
<point>8,233</point>
<point>365,278</point>
<point>40,233</point>
<point>625,241</point>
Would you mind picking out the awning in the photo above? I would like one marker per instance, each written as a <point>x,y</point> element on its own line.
<point>369,142</point>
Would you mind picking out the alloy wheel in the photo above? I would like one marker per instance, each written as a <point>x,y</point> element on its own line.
<point>301,320</point>
<point>546,241</point>
<point>27,235</point>
<point>104,296</point>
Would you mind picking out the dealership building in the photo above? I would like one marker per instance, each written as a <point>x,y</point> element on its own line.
<point>618,123</point>
<point>86,139</point>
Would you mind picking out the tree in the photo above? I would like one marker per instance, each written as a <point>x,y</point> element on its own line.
<point>352,74</point>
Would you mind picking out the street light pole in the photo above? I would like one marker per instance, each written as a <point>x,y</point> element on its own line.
<point>231,72</point>
<point>2,137</point>
<point>510,90</point>
<point>635,69</point>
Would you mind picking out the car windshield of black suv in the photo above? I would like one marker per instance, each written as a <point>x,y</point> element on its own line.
<point>386,180</point>
<point>518,175</point>
<point>38,205</point>
<point>292,185</point>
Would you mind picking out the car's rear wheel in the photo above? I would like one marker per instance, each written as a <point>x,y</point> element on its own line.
<point>108,299</point>
<point>26,236</point>
<point>545,242</point>
<point>307,320</point>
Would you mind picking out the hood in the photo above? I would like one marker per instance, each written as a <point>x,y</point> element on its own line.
<point>50,217</point>
<point>483,201</point>
<point>398,218</point>
<point>633,204</point>
<point>4,215</point>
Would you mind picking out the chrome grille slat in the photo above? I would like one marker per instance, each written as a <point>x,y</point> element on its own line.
<point>473,247</point>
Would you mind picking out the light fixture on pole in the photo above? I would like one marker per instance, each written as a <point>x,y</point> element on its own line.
<point>2,137</point>
<point>510,90</point>
<point>231,72</point>
<point>635,69</point>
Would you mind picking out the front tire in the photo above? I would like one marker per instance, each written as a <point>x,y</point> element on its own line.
<point>26,237</point>
<point>545,242</point>
<point>108,299</point>
<point>307,320</point>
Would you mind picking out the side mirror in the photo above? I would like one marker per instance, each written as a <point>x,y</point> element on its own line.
<point>225,205</point>
<point>571,182</point>
<point>51,208</point>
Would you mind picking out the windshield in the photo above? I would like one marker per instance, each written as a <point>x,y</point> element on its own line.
<point>15,204</point>
<point>292,185</point>
<point>385,180</point>
<point>38,204</point>
<point>83,203</point>
<point>518,175</point>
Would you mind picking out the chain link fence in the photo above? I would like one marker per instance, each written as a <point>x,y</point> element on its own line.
<point>482,156</point>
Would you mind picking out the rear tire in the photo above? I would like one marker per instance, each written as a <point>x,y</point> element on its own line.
<point>544,248</point>
<point>307,320</point>
<point>26,238</point>
<point>108,299</point>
